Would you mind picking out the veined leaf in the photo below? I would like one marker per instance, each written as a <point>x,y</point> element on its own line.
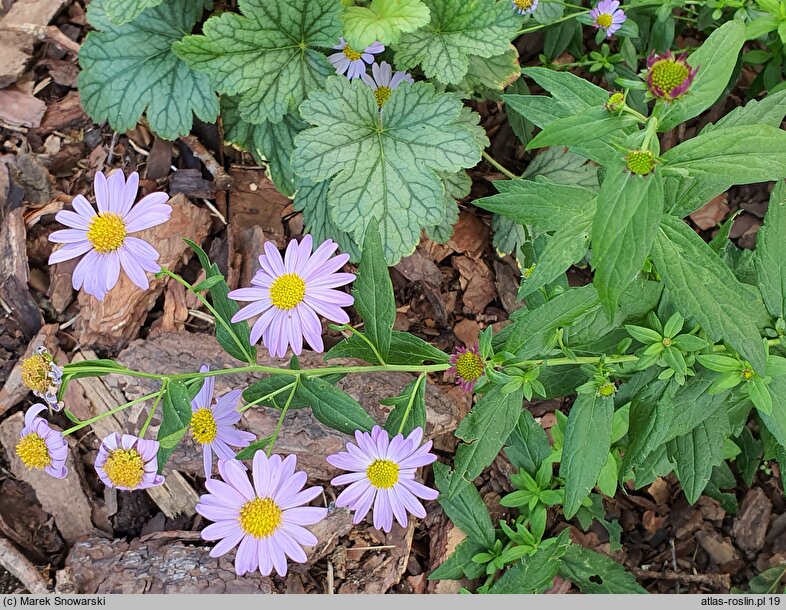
<point>771,253</point>
<point>527,446</point>
<point>705,289</point>
<point>591,124</point>
<point>586,448</point>
<point>492,73</point>
<point>596,573</point>
<point>626,221</point>
<point>458,29</point>
<point>130,69</point>
<point>383,21</point>
<point>534,574</point>
<point>123,11</point>
<point>384,165</point>
<point>460,565</point>
<point>648,424</point>
<point>334,408</point>
<point>776,420</point>
<point>571,91</point>
<point>269,54</point>
<point>485,430</point>
<point>312,200</point>
<point>768,111</point>
<point>696,454</point>
<point>466,508</point>
<point>175,420</point>
<point>715,60</point>
<point>404,349</point>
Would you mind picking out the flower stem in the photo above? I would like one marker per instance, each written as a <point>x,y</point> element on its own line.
<point>411,402</point>
<point>491,161</point>
<point>92,420</point>
<point>253,403</point>
<point>373,347</point>
<point>281,417</point>
<point>154,408</point>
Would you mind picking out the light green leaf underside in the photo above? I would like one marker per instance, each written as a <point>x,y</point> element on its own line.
<point>385,165</point>
<point>312,200</point>
<point>771,253</point>
<point>458,29</point>
<point>383,21</point>
<point>123,11</point>
<point>270,54</point>
<point>130,69</point>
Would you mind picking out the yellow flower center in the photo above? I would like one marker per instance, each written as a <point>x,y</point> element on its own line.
<point>747,373</point>
<point>640,162</point>
<point>666,342</point>
<point>607,389</point>
<point>287,291</point>
<point>260,517</point>
<point>668,74</point>
<point>106,232</point>
<point>35,373</point>
<point>203,426</point>
<point>469,366</point>
<point>351,54</point>
<point>523,5</point>
<point>383,95</point>
<point>125,468</point>
<point>33,452</point>
<point>382,474</point>
<point>604,20</point>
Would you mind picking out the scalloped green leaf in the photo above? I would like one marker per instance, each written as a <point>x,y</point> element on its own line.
<point>383,21</point>
<point>123,11</point>
<point>384,165</point>
<point>270,54</point>
<point>129,70</point>
<point>312,200</point>
<point>458,30</point>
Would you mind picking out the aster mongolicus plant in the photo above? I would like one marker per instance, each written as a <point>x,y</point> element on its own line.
<point>669,77</point>
<point>468,367</point>
<point>128,462</point>
<point>267,519</point>
<point>608,16</point>
<point>42,376</point>
<point>40,447</point>
<point>352,62</point>
<point>103,239</point>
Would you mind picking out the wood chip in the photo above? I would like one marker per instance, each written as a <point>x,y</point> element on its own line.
<point>20,108</point>
<point>18,565</point>
<point>750,524</point>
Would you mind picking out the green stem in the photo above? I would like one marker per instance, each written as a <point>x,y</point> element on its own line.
<point>411,403</point>
<point>92,420</point>
<point>253,403</point>
<point>364,338</point>
<point>328,370</point>
<point>492,161</point>
<point>281,417</point>
<point>540,26</point>
<point>153,409</point>
<point>219,318</point>
<point>104,371</point>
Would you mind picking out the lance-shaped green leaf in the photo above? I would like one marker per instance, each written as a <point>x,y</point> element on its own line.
<point>768,111</point>
<point>123,11</point>
<point>383,21</point>
<point>130,69</point>
<point>704,288</point>
<point>776,420</point>
<point>527,446</point>
<point>570,91</point>
<point>535,573</point>
<point>586,447</point>
<point>460,565</point>
<point>312,200</point>
<point>771,253</point>
<point>485,430</point>
<point>596,573</point>
<point>458,29</point>
<point>373,292</point>
<point>269,143</point>
<point>334,408</point>
<point>696,454</point>
<point>384,165</point>
<point>626,220</point>
<point>404,349</point>
<point>592,124</point>
<point>466,508</point>
<point>270,54</point>
<point>715,60</point>
<point>743,154</point>
<point>175,420</point>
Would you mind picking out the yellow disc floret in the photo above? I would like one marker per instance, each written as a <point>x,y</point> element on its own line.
<point>382,474</point>
<point>125,468</point>
<point>523,5</point>
<point>106,232</point>
<point>604,20</point>
<point>351,54</point>
<point>469,366</point>
<point>383,95</point>
<point>260,517</point>
<point>607,390</point>
<point>287,291</point>
<point>203,426</point>
<point>747,373</point>
<point>33,452</point>
<point>640,162</point>
<point>35,373</point>
<point>668,74</point>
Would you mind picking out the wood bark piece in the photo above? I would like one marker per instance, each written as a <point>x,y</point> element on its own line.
<point>14,390</point>
<point>750,525</point>
<point>221,179</point>
<point>387,572</point>
<point>20,108</point>
<point>157,566</point>
<point>16,563</point>
<point>14,273</point>
<point>175,496</point>
<point>64,499</point>
<point>118,319</point>
<point>301,434</point>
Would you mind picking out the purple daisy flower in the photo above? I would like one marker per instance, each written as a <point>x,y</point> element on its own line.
<point>669,77</point>
<point>351,62</point>
<point>40,447</point>
<point>128,462</point>
<point>384,82</point>
<point>266,520</point>
<point>213,424</point>
<point>291,293</point>
<point>525,7</point>
<point>103,237</point>
<point>467,366</point>
<point>43,377</point>
<point>382,473</point>
<point>607,15</point>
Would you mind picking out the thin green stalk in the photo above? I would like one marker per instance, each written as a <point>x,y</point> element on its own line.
<point>219,318</point>
<point>104,371</point>
<point>253,403</point>
<point>492,161</point>
<point>373,347</point>
<point>122,407</point>
<point>281,417</point>
<point>154,408</point>
<point>411,402</point>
